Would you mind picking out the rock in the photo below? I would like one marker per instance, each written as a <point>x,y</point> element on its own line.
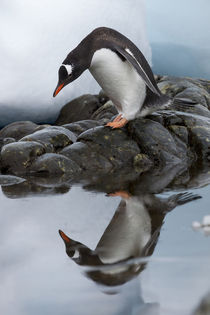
<point>18,129</point>
<point>204,307</point>
<point>17,157</point>
<point>180,131</point>
<point>176,135</point>
<point>114,145</point>
<point>7,180</point>
<point>80,108</point>
<point>81,126</point>
<point>155,141</point>
<point>28,188</point>
<point>51,163</point>
<point>170,118</point>
<point>105,112</point>
<point>86,157</point>
<point>193,89</point>
<point>198,134</point>
<point>4,141</point>
<point>200,141</point>
<point>102,149</point>
<point>53,138</point>
<point>142,161</point>
<point>157,117</point>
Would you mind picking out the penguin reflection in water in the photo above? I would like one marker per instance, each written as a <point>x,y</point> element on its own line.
<point>131,234</point>
<point>120,69</point>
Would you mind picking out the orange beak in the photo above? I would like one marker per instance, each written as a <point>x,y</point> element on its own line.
<point>64,236</point>
<point>58,89</point>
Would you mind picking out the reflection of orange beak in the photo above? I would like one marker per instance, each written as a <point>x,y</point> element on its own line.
<point>64,236</point>
<point>58,89</point>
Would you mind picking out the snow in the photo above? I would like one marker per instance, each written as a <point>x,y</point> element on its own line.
<point>196,225</point>
<point>204,226</point>
<point>206,220</point>
<point>37,35</point>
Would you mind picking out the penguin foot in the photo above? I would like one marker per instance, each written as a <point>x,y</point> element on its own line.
<point>121,193</point>
<point>117,118</point>
<point>117,124</point>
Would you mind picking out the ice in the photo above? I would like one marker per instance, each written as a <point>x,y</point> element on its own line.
<point>196,225</point>
<point>206,220</point>
<point>37,35</point>
<point>204,226</point>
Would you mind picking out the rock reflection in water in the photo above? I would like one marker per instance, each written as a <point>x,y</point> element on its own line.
<point>132,233</point>
<point>130,238</point>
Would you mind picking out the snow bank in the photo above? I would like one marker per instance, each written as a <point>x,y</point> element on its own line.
<point>35,38</point>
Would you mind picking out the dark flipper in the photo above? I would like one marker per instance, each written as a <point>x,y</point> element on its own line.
<point>142,67</point>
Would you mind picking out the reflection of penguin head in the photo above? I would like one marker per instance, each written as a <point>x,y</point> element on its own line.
<point>105,274</point>
<point>72,247</point>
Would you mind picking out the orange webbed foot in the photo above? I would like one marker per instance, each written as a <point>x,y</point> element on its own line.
<point>121,193</point>
<point>117,118</point>
<point>117,124</point>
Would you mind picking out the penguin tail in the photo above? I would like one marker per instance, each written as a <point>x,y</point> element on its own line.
<point>183,103</point>
<point>182,198</point>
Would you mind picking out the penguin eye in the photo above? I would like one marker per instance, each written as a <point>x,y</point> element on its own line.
<point>68,69</point>
<point>63,74</point>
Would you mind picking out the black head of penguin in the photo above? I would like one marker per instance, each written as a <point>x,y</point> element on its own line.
<point>72,67</point>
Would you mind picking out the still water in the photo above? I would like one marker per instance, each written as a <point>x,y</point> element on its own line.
<point>131,248</point>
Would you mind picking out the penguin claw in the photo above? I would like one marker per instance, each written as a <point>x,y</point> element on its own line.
<point>117,124</point>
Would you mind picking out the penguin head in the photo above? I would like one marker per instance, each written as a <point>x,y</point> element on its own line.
<point>72,247</point>
<point>69,71</point>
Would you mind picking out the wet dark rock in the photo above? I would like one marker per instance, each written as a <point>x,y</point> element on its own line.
<point>180,131</point>
<point>115,145</point>
<point>7,180</point>
<point>176,135</point>
<point>4,141</point>
<point>51,163</point>
<point>86,157</point>
<point>53,138</point>
<point>204,307</point>
<point>157,117</point>
<point>105,112</point>
<point>198,134</point>
<point>200,141</point>
<point>80,108</point>
<point>170,118</point>
<point>81,126</point>
<point>102,148</point>
<point>18,129</point>
<point>193,89</point>
<point>29,188</point>
<point>142,162</point>
<point>17,157</point>
<point>156,141</point>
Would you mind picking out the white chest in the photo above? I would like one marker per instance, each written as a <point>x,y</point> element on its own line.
<point>127,234</point>
<point>120,81</point>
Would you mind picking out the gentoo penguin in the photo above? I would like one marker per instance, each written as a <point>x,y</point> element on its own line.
<point>133,232</point>
<point>120,69</point>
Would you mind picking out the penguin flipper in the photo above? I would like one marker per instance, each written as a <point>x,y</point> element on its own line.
<point>147,75</point>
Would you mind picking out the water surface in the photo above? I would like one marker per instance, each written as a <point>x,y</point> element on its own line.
<point>132,253</point>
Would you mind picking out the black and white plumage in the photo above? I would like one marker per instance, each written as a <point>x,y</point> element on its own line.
<point>133,232</point>
<point>120,69</point>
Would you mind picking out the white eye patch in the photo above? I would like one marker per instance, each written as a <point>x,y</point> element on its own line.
<point>68,68</point>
